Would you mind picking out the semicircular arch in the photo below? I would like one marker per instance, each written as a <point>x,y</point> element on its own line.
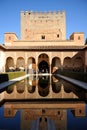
<point>9,64</point>
<point>31,65</point>
<point>78,64</point>
<point>43,63</point>
<point>67,63</point>
<point>20,65</point>
<point>56,64</point>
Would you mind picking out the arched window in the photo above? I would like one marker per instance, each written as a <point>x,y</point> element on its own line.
<point>43,37</point>
<point>57,35</point>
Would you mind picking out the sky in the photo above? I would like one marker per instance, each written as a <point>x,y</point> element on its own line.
<point>76,14</point>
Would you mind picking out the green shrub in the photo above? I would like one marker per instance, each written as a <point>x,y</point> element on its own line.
<point>10,75</point>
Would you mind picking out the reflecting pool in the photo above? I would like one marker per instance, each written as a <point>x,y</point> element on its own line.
<point>45,103</point>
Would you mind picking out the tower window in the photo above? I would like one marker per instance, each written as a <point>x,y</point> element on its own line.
<point>58,112</point>
<point>78,37</point>
<point>43,37</point>
<point>9,37</point>
<point>80,111</point>
<point>9,112</point>
<point>58,35</point>
<point>43,111</point>
<point>29,13</point>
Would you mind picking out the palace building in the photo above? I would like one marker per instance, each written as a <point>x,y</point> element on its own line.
<point>43,47</point>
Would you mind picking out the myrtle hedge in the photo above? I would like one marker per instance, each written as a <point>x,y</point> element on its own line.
<point>10,75</point>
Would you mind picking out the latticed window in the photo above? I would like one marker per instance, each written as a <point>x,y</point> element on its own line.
<point>43,37</point>
<point>78,37</point>
<point>9,37</point>
<point>57,35</point>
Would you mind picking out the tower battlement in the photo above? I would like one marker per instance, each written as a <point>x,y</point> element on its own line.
<point>36,26</point>
<point>55,13</point>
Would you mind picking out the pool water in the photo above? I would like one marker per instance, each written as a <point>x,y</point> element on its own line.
<point>45,102</point>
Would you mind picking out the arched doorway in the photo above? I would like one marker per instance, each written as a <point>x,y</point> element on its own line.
<point>43,63</point>
<point>43,67</point>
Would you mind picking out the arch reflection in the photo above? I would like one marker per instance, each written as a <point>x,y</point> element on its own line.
<point>31,84</point>
<point>20,86</point>
<point>10,89</point>
<point>43,85</point>
<point>56,85</point>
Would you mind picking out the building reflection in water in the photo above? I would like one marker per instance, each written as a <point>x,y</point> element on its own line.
<point>43,85</point>
<point>56,113</point>
<point>44,98</point>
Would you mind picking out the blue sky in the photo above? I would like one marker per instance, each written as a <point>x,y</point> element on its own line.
<point>76,14</point>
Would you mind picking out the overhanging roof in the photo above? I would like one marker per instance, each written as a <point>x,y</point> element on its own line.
<point>43,48</point>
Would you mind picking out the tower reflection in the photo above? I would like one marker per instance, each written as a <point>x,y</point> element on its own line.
<point>56,112</point>
<point>42,101</point>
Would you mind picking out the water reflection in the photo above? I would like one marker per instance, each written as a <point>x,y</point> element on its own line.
<point>46,87</point>
<point>44,101</point>
<point>56,85</point>
<point>43,86</point>
<point>56,113</point>
<point>31,84</point>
